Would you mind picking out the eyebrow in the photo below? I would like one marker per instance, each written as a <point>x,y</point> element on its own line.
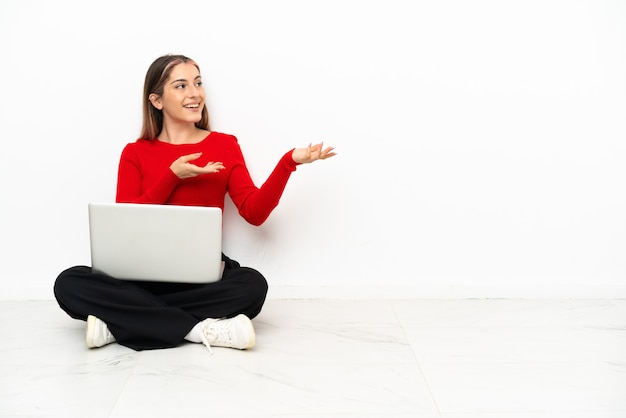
<point>184,80</point>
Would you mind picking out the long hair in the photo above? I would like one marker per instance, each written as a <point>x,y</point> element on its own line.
<point>157,75</point>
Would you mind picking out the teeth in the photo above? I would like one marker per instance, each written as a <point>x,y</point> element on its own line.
<point>193,106</point>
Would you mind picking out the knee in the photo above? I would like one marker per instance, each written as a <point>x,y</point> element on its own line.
<point>66,290</point>
<point>257,283</point>
<point>66,280</point>
<point>257,292</point>
<point>252,288</point>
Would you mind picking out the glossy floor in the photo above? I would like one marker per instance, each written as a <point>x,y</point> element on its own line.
<point>334,358</point>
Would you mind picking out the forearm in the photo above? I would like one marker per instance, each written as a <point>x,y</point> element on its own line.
<point>256,204</point>
<point>130,190</point>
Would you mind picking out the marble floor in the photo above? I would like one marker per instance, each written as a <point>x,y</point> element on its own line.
<point>334,358</point>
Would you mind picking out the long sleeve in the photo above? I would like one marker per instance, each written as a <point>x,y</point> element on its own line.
<point>130,185</point>
<point>256,204</point>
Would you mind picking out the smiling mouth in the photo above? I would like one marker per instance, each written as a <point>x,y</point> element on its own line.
<point>192,106</point>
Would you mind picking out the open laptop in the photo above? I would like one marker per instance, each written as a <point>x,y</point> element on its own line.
<point>167,243</point>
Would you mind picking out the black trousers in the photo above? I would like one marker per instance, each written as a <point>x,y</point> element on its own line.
<point>149,315</point>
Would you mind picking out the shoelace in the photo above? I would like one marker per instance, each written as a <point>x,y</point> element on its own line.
<point>220,335</point>
<point>203,335</point>
<point>205,341</point>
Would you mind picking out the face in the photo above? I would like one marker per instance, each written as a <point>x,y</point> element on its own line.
<point>183,95</point>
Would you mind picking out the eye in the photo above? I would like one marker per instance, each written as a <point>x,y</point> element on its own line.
<point>180,86</point>
<point>198,83</point>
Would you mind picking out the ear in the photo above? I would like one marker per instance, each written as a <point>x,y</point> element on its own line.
<point>156,101</point>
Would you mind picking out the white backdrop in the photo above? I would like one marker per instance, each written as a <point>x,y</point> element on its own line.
<point>481,143</point>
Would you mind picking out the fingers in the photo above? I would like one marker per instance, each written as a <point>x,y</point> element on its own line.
<point>210,167</point>
<point>184,168</point>
<point>314,152</point>
<point>327,153</point>
<point>321,153</point>
<point>213,167</point>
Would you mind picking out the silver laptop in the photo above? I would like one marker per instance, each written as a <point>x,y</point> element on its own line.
<point>164,243</point>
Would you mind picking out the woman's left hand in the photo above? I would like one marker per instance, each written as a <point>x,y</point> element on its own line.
<point>312,153</point>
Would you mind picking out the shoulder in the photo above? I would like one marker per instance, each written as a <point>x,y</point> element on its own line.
<point>222,137</point>
<point>225,142</point>
<point>140,143</point>
<point>138,147</point>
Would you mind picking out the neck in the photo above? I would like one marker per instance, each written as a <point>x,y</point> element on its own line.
<point>182,135</point>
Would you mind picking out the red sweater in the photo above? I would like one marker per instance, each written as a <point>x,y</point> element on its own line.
<point>144,176</point>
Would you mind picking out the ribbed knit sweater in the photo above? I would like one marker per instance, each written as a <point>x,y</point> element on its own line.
<point>144,176</point>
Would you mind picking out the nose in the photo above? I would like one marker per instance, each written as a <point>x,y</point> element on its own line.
<point>194,90</point>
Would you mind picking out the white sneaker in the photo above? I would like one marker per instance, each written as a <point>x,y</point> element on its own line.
<point>234,332</point>
<point>97,333</point>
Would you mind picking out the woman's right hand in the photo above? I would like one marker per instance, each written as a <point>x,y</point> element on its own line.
<point>184,169</point>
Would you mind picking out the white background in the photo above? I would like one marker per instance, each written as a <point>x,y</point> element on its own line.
<point>481,143</point>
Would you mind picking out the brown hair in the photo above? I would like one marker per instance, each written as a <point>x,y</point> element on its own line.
<point>157,75</point>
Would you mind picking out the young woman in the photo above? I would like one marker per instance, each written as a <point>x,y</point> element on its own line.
<point>179,161</point>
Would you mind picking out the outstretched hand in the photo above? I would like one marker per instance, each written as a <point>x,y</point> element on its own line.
<point>312,153</point>
<point>184,169</point>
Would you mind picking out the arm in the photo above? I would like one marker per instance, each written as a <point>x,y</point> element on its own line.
<point>256,204</point>
<point>130,181</point>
